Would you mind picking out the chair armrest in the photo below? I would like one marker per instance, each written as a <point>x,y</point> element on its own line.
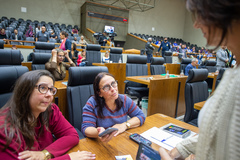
<point>81,136</point>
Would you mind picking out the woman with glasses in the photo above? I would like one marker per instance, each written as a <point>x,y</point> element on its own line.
<point>29,120</point>
<point>56,65</point>
<point>219,119</point>
<point>107,109</point>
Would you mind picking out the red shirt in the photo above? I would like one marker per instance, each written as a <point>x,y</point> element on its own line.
<point>65,133</point>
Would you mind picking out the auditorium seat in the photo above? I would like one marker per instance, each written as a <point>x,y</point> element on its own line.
<point>8,77</point>
<point>211,65</point>
<point>29,39</point>
<point>156,66</point>
<point>184,63</point>
<point>2,42</point>
<point>115,54</point>
<point>136,66</point>
<point>168,56</point>
<point>79,90</point>
<point>196,90</point>
<point>39,60</point>
<point>10,57</point>
<point>44,47</point>
<point>93,54</point>
<point>219,77</point>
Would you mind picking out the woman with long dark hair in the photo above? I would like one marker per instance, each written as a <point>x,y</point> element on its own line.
<point>107,109</point>
<point>218,121</point>
<point>29,120</point>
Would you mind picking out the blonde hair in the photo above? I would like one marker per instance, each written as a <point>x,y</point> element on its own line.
<point>61,65</point>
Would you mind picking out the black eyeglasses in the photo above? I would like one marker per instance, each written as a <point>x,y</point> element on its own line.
<point>107,87</point>
<point>43,88</point>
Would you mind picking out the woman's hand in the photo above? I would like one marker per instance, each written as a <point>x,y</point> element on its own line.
<point>66,54</point>
<point>54,52</point>
<point>106,138</point>
<point>83,155</point>
<point>35,155</point>
<point>121,128</point>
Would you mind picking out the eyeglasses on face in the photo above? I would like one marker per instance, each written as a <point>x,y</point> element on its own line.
<point>61,56</point>
<point>107,87</point>
<point>43,88</point>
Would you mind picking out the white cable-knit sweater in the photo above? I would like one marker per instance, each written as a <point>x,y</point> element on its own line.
<point>219,136</point>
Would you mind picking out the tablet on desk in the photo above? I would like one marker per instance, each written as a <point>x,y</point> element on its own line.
<point>147,153</point>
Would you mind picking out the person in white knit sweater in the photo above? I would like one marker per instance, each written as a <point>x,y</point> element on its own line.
<point>219,120</point>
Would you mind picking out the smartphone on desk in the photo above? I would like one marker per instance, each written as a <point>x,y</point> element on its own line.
<point>177,131</point>
<point>140,139</point>
<point>146,152</point>
<point>107,131</point>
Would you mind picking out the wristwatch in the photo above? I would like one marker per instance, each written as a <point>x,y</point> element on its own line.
<point>47,154</point>
<point>128,125</point>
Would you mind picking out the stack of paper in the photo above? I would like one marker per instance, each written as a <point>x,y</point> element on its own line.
<point>162,138</point>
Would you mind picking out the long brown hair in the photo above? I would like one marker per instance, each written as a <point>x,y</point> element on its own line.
<point>218,13</point>
<point>99,100</point>
<point>18,118</point>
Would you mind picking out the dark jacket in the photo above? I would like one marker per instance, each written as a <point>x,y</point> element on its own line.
<point>149,48</point>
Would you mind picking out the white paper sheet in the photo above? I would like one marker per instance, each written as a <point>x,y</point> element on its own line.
<point>162,138</point>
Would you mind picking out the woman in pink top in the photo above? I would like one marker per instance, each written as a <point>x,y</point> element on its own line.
<point>29,119</point>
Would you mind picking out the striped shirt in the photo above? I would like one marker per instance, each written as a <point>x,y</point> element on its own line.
<point>91,118</point>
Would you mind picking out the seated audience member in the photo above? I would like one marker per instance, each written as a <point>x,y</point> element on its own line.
<point>174,49</point>
<point>182,52</point>
<point>74,31</point>
<point>219,119</point>
<point>175,44</point>
<point>191,66</point>
<point>56,65</point>
<point>107,109</point>
<point>53,35</point>
<point>66,43</point>
<point>29,120</point>
<point>42,36</point>
<point>29,32</point>
<point>203,50</point>
<point>81,61</point>
<point>189,50</point>
<point>2,34</point>
<point>29,57</point>
<point>232,62</point>
<point>193,50</point>
<point>74,52</point>
<point>75,40</point>
<point>82,41</point>
<point>199,57</point>
<point>105,58</point>
<point>16,36</point>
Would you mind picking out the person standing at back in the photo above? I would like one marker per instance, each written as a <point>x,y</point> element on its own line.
<point>149,50</point>
<point>222,57</point>
<point>165,46</point>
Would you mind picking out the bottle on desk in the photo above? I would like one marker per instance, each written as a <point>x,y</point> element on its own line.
<point>120,60</point>
<point>167,74</point>
<point>181,74</point>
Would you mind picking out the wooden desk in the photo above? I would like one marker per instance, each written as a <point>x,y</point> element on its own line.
<point>122,145</point>
<point>27,64</point>
<point>118,70</point>
<point>199,105</point>
<point>172,68</point>
<point>61,97</point>
<point>214,77</point>
<point>163,94</point>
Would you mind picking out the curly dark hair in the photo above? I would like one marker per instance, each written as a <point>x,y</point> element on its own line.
<point>217,13</point>
<point>99,100</point>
